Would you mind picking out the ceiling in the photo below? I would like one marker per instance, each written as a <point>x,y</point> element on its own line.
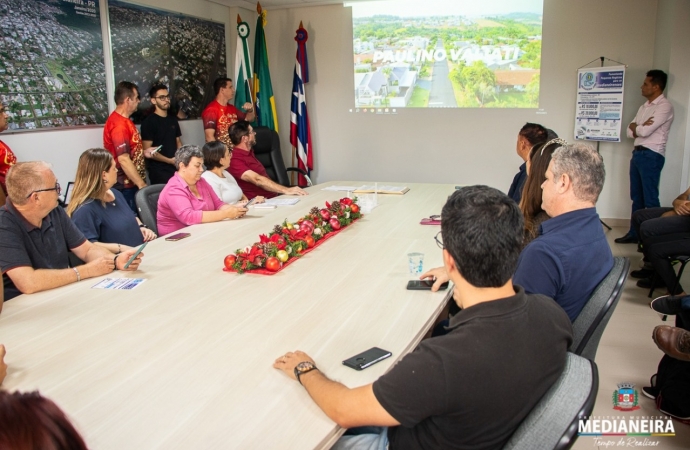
<point>281,4</point>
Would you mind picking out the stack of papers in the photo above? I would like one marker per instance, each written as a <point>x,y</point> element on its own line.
<point>400,190</point>
<point>340,188</point>
<point>281,201</point>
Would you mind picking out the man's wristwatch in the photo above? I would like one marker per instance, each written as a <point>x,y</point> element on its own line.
<point>302,368</point>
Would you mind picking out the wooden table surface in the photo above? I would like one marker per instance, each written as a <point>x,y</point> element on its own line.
<point>184,360</point>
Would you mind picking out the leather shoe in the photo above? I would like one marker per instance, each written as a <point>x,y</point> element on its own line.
<point>675,342</point>
<point>642,273</point>
<point>646,283</point>
<point>668,305</point>
<point>627,239</point>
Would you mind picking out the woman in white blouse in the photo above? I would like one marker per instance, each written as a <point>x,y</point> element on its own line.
<point>217,160</point>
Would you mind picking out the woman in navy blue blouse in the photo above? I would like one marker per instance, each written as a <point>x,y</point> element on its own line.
<point>101,213</point>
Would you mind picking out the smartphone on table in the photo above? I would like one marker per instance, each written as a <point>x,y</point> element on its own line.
<point>424,285</point>
<point>178,236</point>
<point>367,358</point>
<point>134,256</point>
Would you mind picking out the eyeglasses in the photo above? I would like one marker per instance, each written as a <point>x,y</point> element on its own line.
<point>162,97</point>
<point>57,189</point>
<point>439,239</point>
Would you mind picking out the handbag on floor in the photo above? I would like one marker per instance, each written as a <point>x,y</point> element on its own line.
<point>672,384</point>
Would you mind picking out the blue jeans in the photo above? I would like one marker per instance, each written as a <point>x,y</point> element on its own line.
<point>363,438</point>
<point>645,173</point>
<point>128,194</point>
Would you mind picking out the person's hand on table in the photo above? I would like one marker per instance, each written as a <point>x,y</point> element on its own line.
<point>101,265</point>
<point>259,199</point>
<point>439,274</point>
<point>3,365</point>
<point>234,211</point>
<point>296,190</point>
<point>148,234</point>
<point>289,361</point>
<point>124,257</point>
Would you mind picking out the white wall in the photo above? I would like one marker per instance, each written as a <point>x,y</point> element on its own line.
<point>463,146</point>
<point>440,145</point>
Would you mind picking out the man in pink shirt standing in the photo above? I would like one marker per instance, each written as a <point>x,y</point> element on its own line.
<point>650,131</point>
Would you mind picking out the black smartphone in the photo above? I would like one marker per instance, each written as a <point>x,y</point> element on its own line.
<point>424,285</point>
<point>178,236</point>
<point>367,358</point>
<point>134,256</point>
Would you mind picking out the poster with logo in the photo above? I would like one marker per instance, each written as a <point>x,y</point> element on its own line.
<point>599,108</point>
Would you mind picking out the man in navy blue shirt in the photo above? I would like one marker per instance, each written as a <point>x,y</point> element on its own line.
<point>570,256</point>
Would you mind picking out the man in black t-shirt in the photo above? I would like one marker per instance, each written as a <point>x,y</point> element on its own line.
<point>472,387</point>
<point>160,128</point>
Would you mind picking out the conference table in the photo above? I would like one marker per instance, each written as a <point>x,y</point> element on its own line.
<point>184,361</point>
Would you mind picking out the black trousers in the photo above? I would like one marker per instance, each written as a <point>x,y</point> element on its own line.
<point>663,237</point>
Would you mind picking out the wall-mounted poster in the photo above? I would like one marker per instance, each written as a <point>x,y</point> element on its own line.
<point>153,46</point>
<point>52,73</point>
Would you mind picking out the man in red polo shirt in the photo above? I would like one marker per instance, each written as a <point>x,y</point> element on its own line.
<point>122,140</point>
<point>249,173</point>
<point>219,115</point>
<point>7,158</point>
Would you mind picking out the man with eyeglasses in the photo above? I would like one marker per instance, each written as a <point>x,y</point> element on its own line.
<point>160,128</point>
<point>247,170</point>
<point>219,115</point>
<point>36,236</point>
<point>122,140</point>
<point>7,158</point>
<point>474,386</point>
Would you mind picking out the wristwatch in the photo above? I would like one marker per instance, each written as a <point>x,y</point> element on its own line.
<point>304,367</point>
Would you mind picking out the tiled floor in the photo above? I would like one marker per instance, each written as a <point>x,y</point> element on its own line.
<point>628,354</point>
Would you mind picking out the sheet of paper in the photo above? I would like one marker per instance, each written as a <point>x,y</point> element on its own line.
<point>118,283</point>
<point>381,188</point>
<point>281,201</point>
<point>339,188</point>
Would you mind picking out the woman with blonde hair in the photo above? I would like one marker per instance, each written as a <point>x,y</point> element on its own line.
<point>99,212</point>
<point>530,202</point>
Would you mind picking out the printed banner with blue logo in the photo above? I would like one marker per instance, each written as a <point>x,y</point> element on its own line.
<point>599,103</point>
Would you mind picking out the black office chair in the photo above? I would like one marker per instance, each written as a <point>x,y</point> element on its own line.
<point>267,151</point>
<point>683,260</point>
<point>592,320</point>
<point>147,204</point>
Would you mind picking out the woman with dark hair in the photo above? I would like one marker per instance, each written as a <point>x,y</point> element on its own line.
<point>188,199</point>
<point>102,213</point>
<point>530,203</point>
<point>33,422</point>
<point>530,135</point>
<point>217,158</point>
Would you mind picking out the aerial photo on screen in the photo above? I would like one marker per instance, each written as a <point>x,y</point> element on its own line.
<point>447,54</point>
<point>52,73</point>
<point>154,46</point>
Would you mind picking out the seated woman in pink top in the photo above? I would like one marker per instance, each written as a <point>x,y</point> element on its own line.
<point>188,199</point>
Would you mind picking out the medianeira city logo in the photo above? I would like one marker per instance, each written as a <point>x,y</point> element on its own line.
<point>626,430</point>
<point>625,397</point>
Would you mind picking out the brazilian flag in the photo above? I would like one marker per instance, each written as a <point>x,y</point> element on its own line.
<point>265,103</point>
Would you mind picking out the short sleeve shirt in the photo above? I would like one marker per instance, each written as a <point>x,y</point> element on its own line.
<point>243,161</point>
<point>7,160</point>
<point>472,387</point>
<point>567,261</point>
<point>178,207</point>
<point>113,222</point>
<point>219,118</point>
<point>24,245</point>
<point>225,188</point>
<point>120,136</point>
<point>161,131</point>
